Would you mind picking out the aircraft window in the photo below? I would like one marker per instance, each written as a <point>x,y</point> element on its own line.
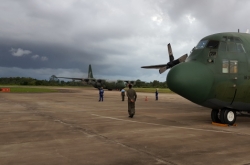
<point>229,67</point>
<point>225,66</point>
<point>233,66</point>
<point>240,48</point>
<point>236,39</point>
<point>231,47</point>
<point>224,38</point>
<point>201,44</point>
<point>213,44</point>
<point>230,39</point>
<point>223,46</point>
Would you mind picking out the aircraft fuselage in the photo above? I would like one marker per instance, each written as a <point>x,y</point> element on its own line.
<point>216,74</point>
<point>109,84</point>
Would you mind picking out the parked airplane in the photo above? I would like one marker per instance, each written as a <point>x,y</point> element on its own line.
<point>98,83</point>
<point>216,75</point>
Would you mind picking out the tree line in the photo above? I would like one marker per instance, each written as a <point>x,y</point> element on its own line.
<point>54,81</point>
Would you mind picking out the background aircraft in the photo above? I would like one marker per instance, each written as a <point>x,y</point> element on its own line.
<point>98,83</point>
<point>215,75</point>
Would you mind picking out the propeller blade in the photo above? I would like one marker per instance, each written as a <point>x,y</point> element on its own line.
<point>183,58</point>
<point>170,53</point>
<point>154,66</point>
<point>163,69</point>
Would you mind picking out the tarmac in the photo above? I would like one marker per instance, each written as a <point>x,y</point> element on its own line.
<point>72,128</point>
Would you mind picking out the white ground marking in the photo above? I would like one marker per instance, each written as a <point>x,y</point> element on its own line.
<point>196,129</point>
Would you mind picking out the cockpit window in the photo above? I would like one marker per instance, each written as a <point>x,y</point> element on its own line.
<point>227,43</point>
<point>213,44</point>
<point>236,39</point>
<point>231,44</point>
<point>240,48</point>
<point>230,39</point>
<point>201,44</point>
<point>224,38</point>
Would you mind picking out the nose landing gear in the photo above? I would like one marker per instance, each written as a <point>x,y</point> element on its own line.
<point>224,116</point>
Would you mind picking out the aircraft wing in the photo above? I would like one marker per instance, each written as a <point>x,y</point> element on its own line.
<point>71,78</point>
<point>84,79</point>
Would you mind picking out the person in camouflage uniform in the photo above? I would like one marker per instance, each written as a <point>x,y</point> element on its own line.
<point>131,94</point>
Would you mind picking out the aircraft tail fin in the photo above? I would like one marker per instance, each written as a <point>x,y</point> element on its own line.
<point>90,73</point>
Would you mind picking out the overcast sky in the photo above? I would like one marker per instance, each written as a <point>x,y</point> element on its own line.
<point>40,38</point>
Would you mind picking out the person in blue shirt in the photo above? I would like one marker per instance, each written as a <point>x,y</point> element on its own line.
<point>123,94</point>
<point>156,94</point>
<point>101,92</point>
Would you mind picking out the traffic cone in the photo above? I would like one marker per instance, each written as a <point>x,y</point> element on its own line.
<point>146,98</point>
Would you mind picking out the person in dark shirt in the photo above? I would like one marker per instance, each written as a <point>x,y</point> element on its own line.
<point>156,94</point>
<point>101,93</point>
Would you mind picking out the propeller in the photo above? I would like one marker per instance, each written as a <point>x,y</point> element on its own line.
<point>163,67</point>
<point>170,53</point>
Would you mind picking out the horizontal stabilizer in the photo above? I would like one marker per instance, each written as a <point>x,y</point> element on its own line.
<point>130,81</point>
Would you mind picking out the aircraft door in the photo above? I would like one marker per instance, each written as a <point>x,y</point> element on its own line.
<point>225,89</point>
<point>233,64</point>
<point>233,70</point>
<point>237,74</point>
<point>238,68</point>
<point>218,60</point>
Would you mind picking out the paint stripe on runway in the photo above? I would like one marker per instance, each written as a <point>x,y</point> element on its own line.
<point>188,128</point>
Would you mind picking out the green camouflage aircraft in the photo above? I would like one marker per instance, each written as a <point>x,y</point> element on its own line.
<point>106,84</point>
<point>215,75</point>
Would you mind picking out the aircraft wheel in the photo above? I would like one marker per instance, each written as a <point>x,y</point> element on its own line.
<point>215,115</point>
<point>229,117</point>
<point>222,112</point>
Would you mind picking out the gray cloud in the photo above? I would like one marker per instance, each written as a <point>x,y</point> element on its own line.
<point>116,37</point>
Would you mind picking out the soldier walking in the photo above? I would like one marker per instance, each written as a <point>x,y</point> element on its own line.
<point>101,92</point>
<point>123,94</point>
<point>131,94</point>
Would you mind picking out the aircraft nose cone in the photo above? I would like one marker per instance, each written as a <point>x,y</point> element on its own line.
<point>192,80</point>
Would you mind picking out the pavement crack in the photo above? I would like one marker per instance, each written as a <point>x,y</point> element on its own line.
<point>159,160</point>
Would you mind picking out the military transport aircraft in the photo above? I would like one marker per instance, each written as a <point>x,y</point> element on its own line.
<point>215,75</point>
<point>106,84</point>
